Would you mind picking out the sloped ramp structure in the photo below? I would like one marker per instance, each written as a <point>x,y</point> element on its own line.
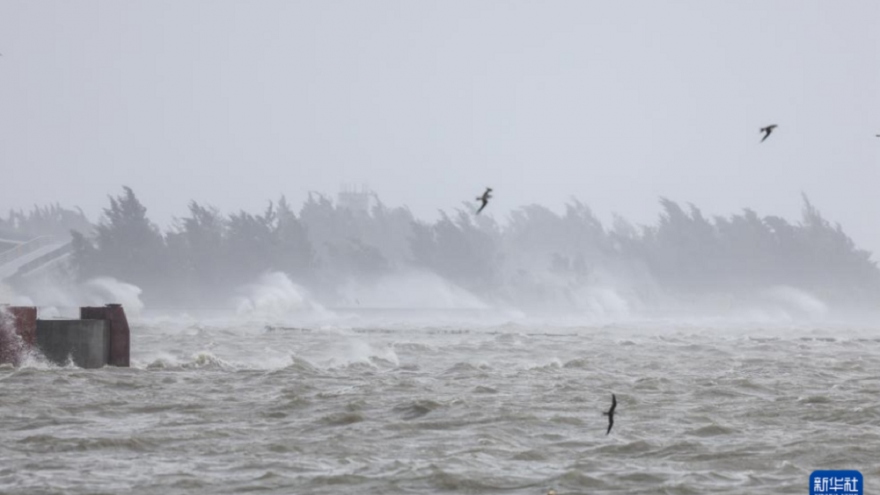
<point>31,255</point>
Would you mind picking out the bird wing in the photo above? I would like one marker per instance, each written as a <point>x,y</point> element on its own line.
<point>613,403</point>
<point>610,423</point>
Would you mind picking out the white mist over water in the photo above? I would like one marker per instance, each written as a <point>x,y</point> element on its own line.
<point>275,297</point>
<point>411,289</point>
<point>57,296</point>
<point>9,296</point>
<point>471,398</point>
<point>103,290</point>
<point>794,302</point>
<point>425,298</point>
<point>603,302</point>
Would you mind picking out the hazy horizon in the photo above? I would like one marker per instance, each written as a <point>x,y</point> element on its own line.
<point>615,103</point>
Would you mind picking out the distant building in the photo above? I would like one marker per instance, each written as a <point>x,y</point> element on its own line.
<point>355,199</point>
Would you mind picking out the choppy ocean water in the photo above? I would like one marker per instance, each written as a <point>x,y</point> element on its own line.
<point>448,403</point>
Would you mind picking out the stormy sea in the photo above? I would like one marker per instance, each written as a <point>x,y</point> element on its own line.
<point>376,401</point>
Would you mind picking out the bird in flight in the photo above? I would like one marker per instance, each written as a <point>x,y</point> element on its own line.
<point>484,198</point>
<point>610,413</point>
<point>768,130</point>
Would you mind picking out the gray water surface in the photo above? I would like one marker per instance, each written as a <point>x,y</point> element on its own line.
<point>385,407</point>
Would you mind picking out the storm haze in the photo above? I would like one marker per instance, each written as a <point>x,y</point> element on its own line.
<point>357,253</point>
<point>615,103</point>
<point>422,246</point>
<point>634,125</point>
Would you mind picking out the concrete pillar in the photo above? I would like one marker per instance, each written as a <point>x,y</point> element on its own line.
<point>18,328</point>
<point>25,322</point>
<point>120,335</point>
<point>87,342</point>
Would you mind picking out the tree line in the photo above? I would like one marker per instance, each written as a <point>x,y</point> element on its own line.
<point>51,220</point>
<point>537,255</point>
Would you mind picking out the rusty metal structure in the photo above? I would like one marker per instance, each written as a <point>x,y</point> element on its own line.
<point>19,327</point>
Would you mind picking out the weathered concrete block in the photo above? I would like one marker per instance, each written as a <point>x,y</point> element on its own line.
<point>87,342</point>
<point>120,335</point>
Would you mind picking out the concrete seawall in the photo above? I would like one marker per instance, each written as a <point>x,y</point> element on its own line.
<point>86,342</point>
<point>99,338</point>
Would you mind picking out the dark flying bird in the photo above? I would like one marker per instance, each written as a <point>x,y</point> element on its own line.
<point>484,198</point>
<point>610,413</point>
<point>768,130</point>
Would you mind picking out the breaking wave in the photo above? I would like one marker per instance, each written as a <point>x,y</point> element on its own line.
<point>413,289</point>
<point>275,296</point>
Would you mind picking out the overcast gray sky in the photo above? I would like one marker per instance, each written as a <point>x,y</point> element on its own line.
<point>614,102</point>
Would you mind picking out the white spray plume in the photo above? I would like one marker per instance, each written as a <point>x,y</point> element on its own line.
<point>104,290</point>
<point>414,289</point>
<point>274,295</point>
<point>55,295</point>
<point>797,301</point>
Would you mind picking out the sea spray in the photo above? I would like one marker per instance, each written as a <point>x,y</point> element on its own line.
<point>796,302</point>
<point>57,296</point>
<point>411,289</point>
<point>103,290</point>
<point>11,344</point>
<point>274,296</point>
<point>601,302</point>
<point>9,296</point>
